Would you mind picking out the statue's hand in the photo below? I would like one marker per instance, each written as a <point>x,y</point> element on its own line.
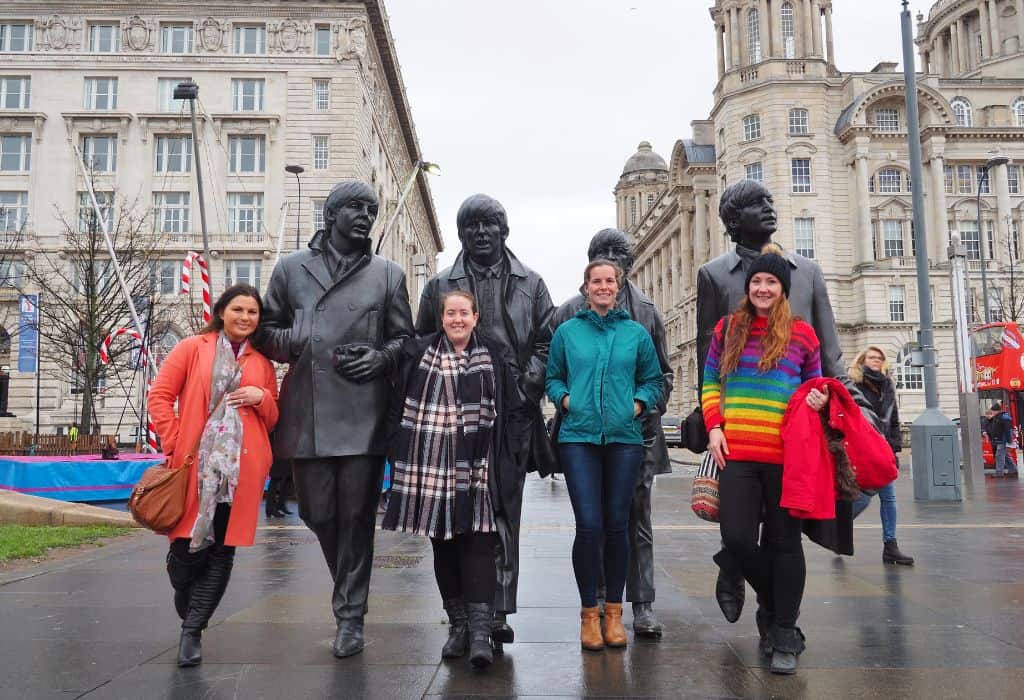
<point>361,363</point>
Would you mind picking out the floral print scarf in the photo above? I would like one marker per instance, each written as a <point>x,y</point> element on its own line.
<point>220,447</point>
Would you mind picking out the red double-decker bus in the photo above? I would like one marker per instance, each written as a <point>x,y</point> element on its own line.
<point>998,352</point>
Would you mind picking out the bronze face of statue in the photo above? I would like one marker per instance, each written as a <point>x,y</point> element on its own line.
<point>748,212</point>
<point>483,228</point>
<point>612,244</point>
<point>349,213</point>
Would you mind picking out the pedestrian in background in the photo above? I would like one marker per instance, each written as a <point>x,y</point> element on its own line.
<point>749,377</point>
<point>226,395</point>
<point>1000,434</point>
<point>870,372</point>
<point>454,424</point>
<point>603,374</point>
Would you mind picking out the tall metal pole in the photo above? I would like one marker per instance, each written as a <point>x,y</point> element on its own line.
<point>984,240</point>
<point>199,180</point>
<point>398,209</point>
<point>970,406</point>
<point>39,343</point>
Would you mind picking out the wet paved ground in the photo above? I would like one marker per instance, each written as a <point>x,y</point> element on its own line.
<point>102,626</point>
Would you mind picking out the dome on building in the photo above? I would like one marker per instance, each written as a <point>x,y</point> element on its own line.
<point>644,159</point>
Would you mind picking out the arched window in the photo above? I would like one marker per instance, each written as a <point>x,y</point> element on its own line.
<point>908,377</point>
<point>751,127</point>
<point>754,35</point>
<point>962,110</point>
<point>890,180</point>
<point>163,343</point>
<point>788,37</point>
<point>1018,111</point>
<point>799,122</point>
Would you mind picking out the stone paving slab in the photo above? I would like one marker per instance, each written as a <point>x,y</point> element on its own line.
<point>101,625</point>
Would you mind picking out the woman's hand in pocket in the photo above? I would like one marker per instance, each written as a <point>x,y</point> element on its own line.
<point>718,446</point>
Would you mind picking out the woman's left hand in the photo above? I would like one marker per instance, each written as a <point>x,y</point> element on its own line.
<point>245,396</point>
<point>638,408</point>
<point>817,399</point>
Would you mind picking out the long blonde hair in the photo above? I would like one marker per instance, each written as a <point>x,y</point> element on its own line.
<point>856,370</point>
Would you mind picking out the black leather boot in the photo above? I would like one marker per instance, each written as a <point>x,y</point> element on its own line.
<point>501,631</point>
<point>458,629</point>
<point>182,573</point>
<point>645,624</point>
<point>270,501</point>
<point>787,645</point>
<point>207,591</point>
<point>480,617</point>
<point>349,639</point>
<point>891,554</point>
<point>765,619</point>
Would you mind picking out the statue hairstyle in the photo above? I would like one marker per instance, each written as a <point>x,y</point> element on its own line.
<point>734,198</point>
<point>482,206</point>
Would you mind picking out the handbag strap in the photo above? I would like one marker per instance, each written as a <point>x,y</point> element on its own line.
<point>191,456</point>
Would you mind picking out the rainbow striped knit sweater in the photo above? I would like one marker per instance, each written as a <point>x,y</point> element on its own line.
<point>755,401</point>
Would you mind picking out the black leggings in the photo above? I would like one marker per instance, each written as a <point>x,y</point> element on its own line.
<point>179,546</point>
<point>748,492</point>
<point>464,567</point>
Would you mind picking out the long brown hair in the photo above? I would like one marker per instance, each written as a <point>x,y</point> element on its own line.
<point>773,345</point>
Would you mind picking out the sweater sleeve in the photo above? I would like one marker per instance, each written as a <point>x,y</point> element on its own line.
<point>648,379</point>
<point>557,373</point>
<point>711,390</point>
<point>812,357</point>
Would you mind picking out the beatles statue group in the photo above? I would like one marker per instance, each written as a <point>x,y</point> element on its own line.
<point>337,314</point>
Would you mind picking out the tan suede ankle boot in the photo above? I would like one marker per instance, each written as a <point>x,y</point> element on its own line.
<point>590,629</point>
<point>614,632</point>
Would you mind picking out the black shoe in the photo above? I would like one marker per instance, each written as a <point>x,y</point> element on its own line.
<point>787,645</point>
<point>730,592</point>
<point>764,621</point>
<point>501,631</point>
<point>349,640</point>
<point>481,616</point>
<point>458,629</point>
<point>190,649</point>
<point>645,624</point>
<point>891,554</point>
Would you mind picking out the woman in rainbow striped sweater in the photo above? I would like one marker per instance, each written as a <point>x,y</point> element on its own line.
<point>749,377</point>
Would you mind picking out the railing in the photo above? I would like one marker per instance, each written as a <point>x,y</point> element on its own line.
<point>748,75</point>
<point>796,67</point>
<point>25,443</point>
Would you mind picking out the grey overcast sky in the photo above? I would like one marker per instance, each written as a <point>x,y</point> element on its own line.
<point>539,103</point>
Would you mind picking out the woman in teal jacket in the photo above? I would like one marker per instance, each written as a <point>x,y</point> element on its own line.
<point>603,374</point>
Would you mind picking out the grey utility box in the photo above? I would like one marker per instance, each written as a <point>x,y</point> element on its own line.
<point>935,459</point>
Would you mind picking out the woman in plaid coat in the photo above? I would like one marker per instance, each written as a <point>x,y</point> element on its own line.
<point>456,423</point>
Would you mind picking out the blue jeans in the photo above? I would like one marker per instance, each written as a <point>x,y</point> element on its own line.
<point>601,480</point>
<point>1003,460</point>
<point>887,506</point>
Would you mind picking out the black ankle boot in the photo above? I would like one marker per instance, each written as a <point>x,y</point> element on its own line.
<point>207,591</point>
<point>891,554</point>
<point>764,619</point>
<point>458,629</point>
<point>190,649</point>
<point>787,645</point>
<point>480,617</point>
<point>501,631</point>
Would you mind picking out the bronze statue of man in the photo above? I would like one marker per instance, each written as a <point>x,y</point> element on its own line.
<point>615,245</point>
<point>515,310</point>
<point>337,314</point>
<point>748,212</point>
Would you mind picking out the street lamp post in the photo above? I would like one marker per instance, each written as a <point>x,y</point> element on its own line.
<point>421,166</point>
<point>993,162</point>
<point>970,407</point>
<point>190,91</point>
<point>297,170</point>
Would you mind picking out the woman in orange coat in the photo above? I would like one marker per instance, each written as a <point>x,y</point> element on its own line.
<point>226,394</point>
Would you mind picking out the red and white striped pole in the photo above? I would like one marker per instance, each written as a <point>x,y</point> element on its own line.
<point>147,370</point>
<point>204,273</point>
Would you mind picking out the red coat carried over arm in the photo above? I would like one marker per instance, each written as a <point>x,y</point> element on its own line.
<point>808,468</point>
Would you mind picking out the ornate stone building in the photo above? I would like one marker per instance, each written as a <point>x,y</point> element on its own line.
<point>315,84</point>
<point>832,147</point>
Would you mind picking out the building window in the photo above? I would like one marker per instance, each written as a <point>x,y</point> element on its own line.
<point>99,153</point>
<point>947,177</point>
<point>87,221</point>
<point>1018,111</point>
<point>632,211</point>
<point>890,180</point>
<point>892,238</point>
<point>971,239</point>
<point>245,213</point>
<point>887,119</point>
<point>15,153</point>
<point>100,93</point>
<point>323,40</point>
<point>12,275</point>
<point>788,37</point>
<point>242,272</point>
<point>751,127</point>
<point>165,277</point>
<point>897,303</point>
<point>1014,241</point>
<point>176,38</point>
<point>15,92</point>
<point>754,171</point>
<point>104,38</point>
<point>984,179</point>
<point>321,151</point>
<point>1013,179</point>
<point>173,154</point>
<point>803,234</point>
<point>322,94</point>
<point>754,35</point>
<point>909,377</point>
<point>800,170</point>
<point>16,36</point>
<point>990,237</point>
<point>799,123</point>
<point>318,214</point>
<point>963,112</point>
<point>247,94</point>
<point>251,40</point>
<point>247,154</point>
<point>13,211</point>
<point>964,179</point>
<point>172,212</point>
<point>165,90</point>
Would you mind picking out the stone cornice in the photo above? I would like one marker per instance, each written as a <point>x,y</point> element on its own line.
<point>23,119</point>
<point>247,122</point>
<point>78,122</point>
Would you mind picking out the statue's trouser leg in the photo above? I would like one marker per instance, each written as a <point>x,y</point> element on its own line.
<point>640,573</point>
<point>508,574</point>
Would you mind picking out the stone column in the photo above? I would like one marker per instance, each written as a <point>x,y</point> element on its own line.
<point>993,19</point>
<point>700,248</point>
<point>721,50</point>
<point>775,22</point>
<point>737,37</point>
<point>1020,27</point>
<point>673,265</point>
<point>715,226</point>
<point>986,29</point>
<point>954,49</point>
<point>808,33</point>
<point>864,253</point>
<point>667,279</point>
<point>686,262</point>
<point>940,54</point>
<point>764,24</point>
<point>965,47</point>
<point>829,40</point>
<point>939,225</point>
<point>727,33</point>
<point>1002,188</point>
<point>816,27</point>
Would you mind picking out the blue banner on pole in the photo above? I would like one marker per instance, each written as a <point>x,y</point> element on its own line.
<point>28,332</point>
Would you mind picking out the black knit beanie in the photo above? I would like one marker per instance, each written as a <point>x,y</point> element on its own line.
<point>773,263</point>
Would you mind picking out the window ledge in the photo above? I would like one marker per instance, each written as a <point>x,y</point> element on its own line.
<point>13,120</point>
<point>87,121</point>
<point>247,123</point>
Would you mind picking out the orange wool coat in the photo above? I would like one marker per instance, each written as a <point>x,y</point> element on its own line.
<point>185,377</point>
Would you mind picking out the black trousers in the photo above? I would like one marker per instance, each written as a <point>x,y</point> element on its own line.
<point>748,492</point>
<point>338,501</point>
<point>464,567</point>
<point>640,572</point>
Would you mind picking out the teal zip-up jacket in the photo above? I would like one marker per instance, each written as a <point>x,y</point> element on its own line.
<point>603,364</point>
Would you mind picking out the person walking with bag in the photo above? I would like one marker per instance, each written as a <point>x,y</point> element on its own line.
<point>870,372</point>
<point>603,374</point>
<point>749,376</point>
<point>454,424</point>
<point>226,395</point>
